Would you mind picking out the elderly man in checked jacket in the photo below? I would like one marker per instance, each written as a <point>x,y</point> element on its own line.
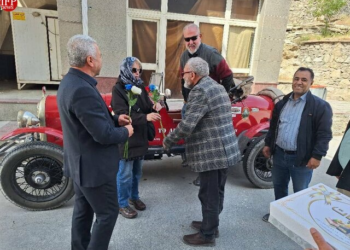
<point>211,145</point>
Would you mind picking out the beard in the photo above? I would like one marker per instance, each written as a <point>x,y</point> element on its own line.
<point>192,52</point>
<point>195,50</point>
<point>187,85</point>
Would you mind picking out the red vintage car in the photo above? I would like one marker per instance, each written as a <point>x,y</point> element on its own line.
<point>32,166</point>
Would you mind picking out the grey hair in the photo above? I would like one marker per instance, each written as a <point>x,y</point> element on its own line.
<point>139,62</point>
<point>79,47</point>
<point>198,66</point>
<point>191,25</point>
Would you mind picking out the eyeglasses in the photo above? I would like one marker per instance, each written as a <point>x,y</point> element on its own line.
<point>193,38</point>
<point>183,73</point>
<point>134,70</point>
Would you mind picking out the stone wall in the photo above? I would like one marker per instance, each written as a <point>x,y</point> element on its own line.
<point>300,12</point>
<point>329,60</point>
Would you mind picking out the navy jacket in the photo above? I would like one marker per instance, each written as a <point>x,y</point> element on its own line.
<point>314,131</point>
<point>90,135</point>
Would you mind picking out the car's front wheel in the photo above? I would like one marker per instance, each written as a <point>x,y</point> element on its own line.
<point>32,176</point>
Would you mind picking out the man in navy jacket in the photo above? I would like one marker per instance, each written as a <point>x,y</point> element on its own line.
<point>90,138</point>
<point>298,137</point>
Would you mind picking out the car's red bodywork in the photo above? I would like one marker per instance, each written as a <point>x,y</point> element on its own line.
<point>259,107</point>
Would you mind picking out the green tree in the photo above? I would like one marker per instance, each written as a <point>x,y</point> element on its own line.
<point>327,9</point>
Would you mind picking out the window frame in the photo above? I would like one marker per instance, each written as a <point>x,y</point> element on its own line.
<point>146,66</point>
<point>162,16</point>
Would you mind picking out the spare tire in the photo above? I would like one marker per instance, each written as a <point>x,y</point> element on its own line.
<point>32,176</point>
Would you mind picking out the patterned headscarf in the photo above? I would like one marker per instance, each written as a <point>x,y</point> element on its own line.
<point>126,75</point>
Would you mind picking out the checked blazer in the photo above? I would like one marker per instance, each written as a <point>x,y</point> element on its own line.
<point>211,142</point>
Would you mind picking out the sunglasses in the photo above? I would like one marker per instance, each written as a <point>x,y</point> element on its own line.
<point>134,70</point>
<point>193,38</point>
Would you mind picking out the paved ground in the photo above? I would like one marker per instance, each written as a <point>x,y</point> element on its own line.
<point>172,203</point>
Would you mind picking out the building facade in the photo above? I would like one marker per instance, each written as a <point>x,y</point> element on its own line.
<point>248,33</point>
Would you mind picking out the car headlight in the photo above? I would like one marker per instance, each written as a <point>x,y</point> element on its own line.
<point>25,118</point>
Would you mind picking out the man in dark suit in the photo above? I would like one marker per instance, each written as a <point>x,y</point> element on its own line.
<point>91,135</point>
<point>211,145</point>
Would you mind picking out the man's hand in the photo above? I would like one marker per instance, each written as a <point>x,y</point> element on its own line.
<point>152,117</point>
<point>124,120</point>
<point>313,163</point>
<point>266,152</point>
<point>130,130</point>
<point>320,241</point>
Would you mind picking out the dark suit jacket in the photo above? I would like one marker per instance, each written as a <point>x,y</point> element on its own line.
<point>336,168</point>
<point>90,135</point>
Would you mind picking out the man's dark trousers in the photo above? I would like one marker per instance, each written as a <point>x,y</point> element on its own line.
<point>103,202</point>
<point>211,195</point>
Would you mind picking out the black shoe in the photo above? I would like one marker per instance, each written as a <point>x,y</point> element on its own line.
<point>184,164</point>
<point>198,224</point>
<point>266,217</point>
<point>197,181</point>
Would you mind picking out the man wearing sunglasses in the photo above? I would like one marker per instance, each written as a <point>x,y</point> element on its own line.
<point>218,68</point>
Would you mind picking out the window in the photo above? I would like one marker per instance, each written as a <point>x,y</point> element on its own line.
<point>145,4</point>
<point>245,9</point>
<point>239,49</point>
<point>146,76</point>
<point>198,7</point>
<point>212,35</point>
<point>156,37</point>
<point>144,41</point>
<point>175,45</point>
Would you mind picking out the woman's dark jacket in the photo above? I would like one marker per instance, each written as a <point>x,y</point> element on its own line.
<point>335,169</point>
<point>314,131</point>
<point>138,142</point>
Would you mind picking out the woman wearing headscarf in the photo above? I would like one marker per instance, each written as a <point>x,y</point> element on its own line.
<point>130,168</point>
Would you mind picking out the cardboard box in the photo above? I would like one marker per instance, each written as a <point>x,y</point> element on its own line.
<point>320,207</point>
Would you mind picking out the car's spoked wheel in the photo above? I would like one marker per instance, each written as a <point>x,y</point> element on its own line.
<point>256,167</point>
<point>263,167</point>
<point>32,176</point>
<point>39,179</point>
